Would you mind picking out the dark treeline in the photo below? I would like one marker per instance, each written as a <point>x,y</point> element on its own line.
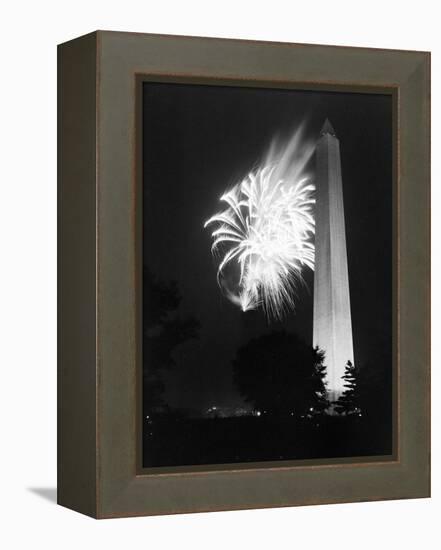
<point>282,380</point>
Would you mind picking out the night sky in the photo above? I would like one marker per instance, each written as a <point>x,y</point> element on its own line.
<point>199,141</point>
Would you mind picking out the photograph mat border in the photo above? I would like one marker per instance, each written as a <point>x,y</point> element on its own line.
<point>176,78</point>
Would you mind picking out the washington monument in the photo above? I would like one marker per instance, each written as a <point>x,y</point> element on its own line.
<point>332,330</point>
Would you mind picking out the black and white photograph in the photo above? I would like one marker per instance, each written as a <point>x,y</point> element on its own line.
<point>267,274</point>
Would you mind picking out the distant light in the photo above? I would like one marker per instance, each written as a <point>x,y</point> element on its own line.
<point>258,413</point>
<point>147,417</point>
<point>311,409</point>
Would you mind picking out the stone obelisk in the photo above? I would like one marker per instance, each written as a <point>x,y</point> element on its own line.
<point>332,331</point>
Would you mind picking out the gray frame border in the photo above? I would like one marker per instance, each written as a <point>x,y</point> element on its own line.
<point>120,491</point>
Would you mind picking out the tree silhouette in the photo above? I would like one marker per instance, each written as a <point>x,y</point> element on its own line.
<point>349,401</point>
<point>321,402</point>
<point>163,330</point>
<point>280,374</point>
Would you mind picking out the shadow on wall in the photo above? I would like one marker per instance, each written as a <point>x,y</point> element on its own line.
<point>48,493</point>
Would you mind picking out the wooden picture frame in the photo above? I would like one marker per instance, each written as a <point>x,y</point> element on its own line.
<point>99,471</point>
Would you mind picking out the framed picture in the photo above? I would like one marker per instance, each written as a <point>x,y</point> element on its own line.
<point>244,274</point>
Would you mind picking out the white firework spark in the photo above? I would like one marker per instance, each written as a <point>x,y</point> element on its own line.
<point>267,230</point>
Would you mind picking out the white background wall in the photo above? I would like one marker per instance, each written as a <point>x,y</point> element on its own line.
<point>29,33</point>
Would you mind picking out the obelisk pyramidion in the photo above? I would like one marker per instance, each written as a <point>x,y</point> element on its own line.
<point>332,331</point>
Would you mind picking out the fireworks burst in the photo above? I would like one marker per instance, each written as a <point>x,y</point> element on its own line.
<point>264,236</point>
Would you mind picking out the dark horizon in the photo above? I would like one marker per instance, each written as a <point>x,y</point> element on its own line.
<point>200,140</point>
